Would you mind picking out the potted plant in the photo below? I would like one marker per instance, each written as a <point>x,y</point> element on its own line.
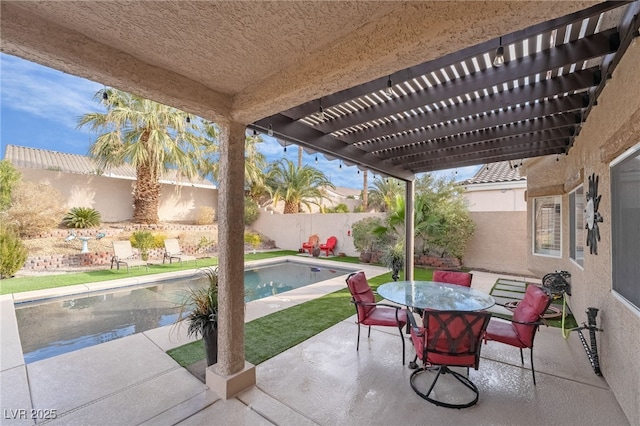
<point>393,258</point>
<point>199,310</point>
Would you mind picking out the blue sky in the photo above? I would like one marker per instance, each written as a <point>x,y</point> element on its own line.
<point>39,108</point>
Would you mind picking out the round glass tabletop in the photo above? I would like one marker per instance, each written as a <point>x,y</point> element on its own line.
<point>436,296</point>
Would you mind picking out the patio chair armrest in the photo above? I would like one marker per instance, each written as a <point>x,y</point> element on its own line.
<point>355,302</point>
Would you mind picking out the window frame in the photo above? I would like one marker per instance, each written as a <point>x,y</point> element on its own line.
<point>557,201</point>
<point>577,218</point>
<point>620,294</point>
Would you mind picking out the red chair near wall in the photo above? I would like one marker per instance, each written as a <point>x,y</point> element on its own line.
<point>371,313</point>
<point>453,277</point>
<point>329,246</point>
<point>527,318</point>
<point>314,240</point>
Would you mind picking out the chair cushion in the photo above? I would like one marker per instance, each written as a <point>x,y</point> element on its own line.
<point>530,309</point>
<point>361,292</point>
<point>384,316</point>
<point>453,277</point>
<point>503,332</point>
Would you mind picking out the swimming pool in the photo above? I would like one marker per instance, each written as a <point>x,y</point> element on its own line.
<point>55,326</point>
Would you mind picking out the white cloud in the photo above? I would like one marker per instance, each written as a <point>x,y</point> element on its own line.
<point>45,93</point>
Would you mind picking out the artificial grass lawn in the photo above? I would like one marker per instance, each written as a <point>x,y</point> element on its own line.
<point>275,333</point>
<point>20,284</point>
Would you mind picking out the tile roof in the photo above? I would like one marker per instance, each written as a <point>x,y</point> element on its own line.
<point>504,171</point>
<point>34,158</point>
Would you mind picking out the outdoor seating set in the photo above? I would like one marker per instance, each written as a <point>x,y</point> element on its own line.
<point>123,254</point>
<point>454,323</point>
<point>314,248</point>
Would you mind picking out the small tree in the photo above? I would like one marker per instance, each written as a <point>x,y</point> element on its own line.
<point>143,241</point>
<point>364,238</point>
<point>251,211</point>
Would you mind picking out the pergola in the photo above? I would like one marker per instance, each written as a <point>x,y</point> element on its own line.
<point>397,88</point>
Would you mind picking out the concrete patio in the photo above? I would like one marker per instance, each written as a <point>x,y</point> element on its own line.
<point>321,381</point>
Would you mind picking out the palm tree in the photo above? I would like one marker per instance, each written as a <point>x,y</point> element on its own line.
<point>365,190</point>
<point>152,137</point>
<point>296,186</point>
<point>384,192</point>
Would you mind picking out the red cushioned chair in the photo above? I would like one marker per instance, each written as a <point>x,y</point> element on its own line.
<point>371,313</point>
<point>527,317</point>
<point>453,277</point>
<point>448,338</point>
<point>314,240</point>
<point>329,246</point>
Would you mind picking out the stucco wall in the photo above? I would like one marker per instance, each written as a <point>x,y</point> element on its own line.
<point>499,243</point>
<point>505,199</point>
<point>112,197</point>
<point>289,231</point>
<point>612,127</point>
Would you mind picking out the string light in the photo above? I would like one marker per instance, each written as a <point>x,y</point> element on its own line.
<point>270,130</point>
<point>498,61</point>
<point>188,119</point>
<point>389,91</point>
<point>316,159</point>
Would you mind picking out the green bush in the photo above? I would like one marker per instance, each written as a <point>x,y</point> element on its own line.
<point>82,217</point>
<point>253,239</point>
<point>340,208</point>
<point>143,240</point>
<point>251,211</point>
<point>13,252</point>
<point>9,179</point>
<point>364,239</point>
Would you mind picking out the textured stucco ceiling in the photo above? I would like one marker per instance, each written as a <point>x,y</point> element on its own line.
<point>247,60</point>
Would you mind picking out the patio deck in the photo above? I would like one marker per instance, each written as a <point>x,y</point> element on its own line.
<point>321,381</point>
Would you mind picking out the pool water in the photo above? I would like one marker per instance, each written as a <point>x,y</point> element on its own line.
<point>56,326</point>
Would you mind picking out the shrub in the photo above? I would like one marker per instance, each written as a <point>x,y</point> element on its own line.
<point>364,238</point>
<point>205,215</point>
<point>9,180</point>
<point>340,208</point>
<point>253,239</point>
<point>251,211</point>
<point>143,241</point>
<point>82,217</point>
<point>13,252</point>
<point>35,208</point>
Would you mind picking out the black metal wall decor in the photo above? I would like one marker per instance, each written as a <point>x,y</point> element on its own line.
<point>591,214</point>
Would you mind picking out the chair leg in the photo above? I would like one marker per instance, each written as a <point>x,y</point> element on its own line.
<point>521,357</point>
<point>369,335</point>
<point>402,338</point>
<point>533,371</point>
<point>358,344</point>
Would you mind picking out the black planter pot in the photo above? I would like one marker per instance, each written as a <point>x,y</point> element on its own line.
<point>210,339</point>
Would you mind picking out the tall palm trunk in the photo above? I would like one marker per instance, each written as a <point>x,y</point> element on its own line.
<point>291,207</point>
<point>145,196</point>
<point>299,157</point>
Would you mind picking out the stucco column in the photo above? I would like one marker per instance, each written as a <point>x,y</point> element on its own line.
<point>231,249</point>
<point>409,231</point>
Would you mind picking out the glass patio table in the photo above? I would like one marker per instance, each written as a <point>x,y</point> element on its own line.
<point>435,296</point>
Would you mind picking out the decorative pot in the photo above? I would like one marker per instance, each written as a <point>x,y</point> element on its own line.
<point>210,339</point>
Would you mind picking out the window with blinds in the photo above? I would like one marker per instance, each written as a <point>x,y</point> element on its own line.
<point>547,226</point>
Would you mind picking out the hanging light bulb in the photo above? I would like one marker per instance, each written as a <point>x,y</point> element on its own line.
<point>285,148</point>
<point>557,157</point>
<point>270,130</point>
<point>316,159</point>
<point>188,119</point>
<point>255,132</point>
<point>498,61</point>
<point>389,91</point>
<point>105,95</point>
<point>358,171</point>
<point>340,166</point>
<point>320,115</point>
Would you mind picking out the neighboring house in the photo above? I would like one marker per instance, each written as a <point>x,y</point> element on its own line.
<point>341,195</point>
<point>496,200</point>
<point>108,191</point>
